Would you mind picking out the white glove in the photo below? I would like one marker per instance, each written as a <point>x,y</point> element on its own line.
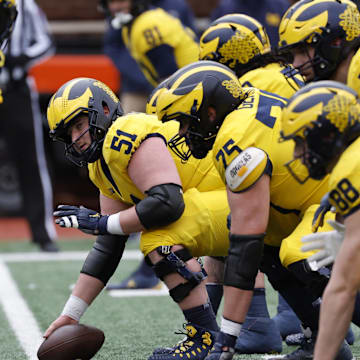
<point>328,244</point>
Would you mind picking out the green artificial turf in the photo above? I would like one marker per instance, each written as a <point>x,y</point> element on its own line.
<point>133,326</point>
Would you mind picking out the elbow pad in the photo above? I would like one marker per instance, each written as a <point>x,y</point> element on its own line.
<point>104,257</point>
<point>163,205</point>
<point>243,261</point>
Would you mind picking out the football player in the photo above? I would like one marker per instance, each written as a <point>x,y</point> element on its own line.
<point>320,37</point>
<point>353,77</point>
<point>241,128</point>
<point>241,43</point>
<point>134,92</point>
<point>179,207</point>
<point>324,123</point>
<point>158,41</point>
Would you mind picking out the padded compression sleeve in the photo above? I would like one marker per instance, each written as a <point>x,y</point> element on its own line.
<point>243,261</point>
<point>104,257</point>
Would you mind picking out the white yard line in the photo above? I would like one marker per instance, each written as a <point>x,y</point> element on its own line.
<point>163,291</point>
<point>19,316</point>
<point>60,256</point>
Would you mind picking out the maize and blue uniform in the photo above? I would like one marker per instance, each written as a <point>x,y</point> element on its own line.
<point>344,182</point>
<point>255,126</point>
<point>271,79</point>
<point>160,44</point>
<point>202,227</point>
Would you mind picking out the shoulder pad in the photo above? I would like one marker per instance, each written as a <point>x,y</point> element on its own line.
<point>246,169</point>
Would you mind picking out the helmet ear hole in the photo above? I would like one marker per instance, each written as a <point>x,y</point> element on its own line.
<point>106,108</point>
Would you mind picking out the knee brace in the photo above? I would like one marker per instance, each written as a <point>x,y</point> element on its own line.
<point>175,262</point>
<point>104,257</point>
<point>243,261</point>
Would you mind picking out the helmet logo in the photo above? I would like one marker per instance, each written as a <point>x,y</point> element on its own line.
<point>233,87</point>
<point>106,89</point>
<point>338,110</point>
<point>239,48</point>
<point>350,23</point>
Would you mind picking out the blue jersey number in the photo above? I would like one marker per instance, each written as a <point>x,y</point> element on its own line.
<point>228,150</point>
<point>265,106</point>
<point>119,141</point>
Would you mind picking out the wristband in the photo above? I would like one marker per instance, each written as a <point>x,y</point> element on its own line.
<point>75,307</point>
<point>114,226</point>
<point>230,327</point>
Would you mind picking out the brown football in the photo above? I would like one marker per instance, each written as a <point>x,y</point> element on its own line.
<point>72,342</point>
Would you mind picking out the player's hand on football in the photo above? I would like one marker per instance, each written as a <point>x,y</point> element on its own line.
<point>59,322</point>
<point>79,217</point>
<point>328,244</point>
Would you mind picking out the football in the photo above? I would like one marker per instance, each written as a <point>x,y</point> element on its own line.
<point>72,342</point>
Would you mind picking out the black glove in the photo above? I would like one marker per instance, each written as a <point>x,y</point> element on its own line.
<point>86,220</point>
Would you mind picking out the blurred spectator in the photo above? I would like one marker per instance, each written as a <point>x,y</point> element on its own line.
<point>134,86</point>
<point>267,12</point>
<point>21,121</point>
<point>202,10</point>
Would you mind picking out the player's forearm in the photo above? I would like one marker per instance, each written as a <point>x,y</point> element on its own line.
<point>85,291</point>
<point>129,221</point>
<point>335,316</point>
<point>87,288</point>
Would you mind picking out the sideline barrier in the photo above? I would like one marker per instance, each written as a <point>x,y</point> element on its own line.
<point>58,69</point>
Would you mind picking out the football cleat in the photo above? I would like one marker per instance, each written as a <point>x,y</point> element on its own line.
<point>296,339</point>
<point>223,348</point>
<point>306,351</point>
<point>195,346</point>
<point>137,280</point>
<point>259,336</point>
